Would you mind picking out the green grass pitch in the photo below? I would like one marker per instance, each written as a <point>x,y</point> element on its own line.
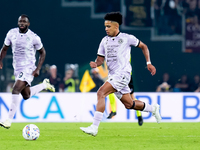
<point>111,136</point>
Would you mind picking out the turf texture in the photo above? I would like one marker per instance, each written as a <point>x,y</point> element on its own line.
<point>111,136</point>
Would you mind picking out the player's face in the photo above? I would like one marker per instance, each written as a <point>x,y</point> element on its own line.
<point>111,28</point>
<point>23,24</point>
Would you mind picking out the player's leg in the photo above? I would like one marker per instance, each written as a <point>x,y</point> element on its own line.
<point>138,113</point>
<point>113,105</point>
<point>142,106</point>
<point>103,91</point>
<point>28,91</point>
<point>17,88</point>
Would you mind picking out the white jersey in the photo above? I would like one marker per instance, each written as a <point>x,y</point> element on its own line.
<point>24,46</point>
<point>116,51</point>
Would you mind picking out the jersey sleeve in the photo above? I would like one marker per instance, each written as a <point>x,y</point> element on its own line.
<point>7,40</point>
<point>101,50</point>
<point>133,41</point>
<point>37,43</point>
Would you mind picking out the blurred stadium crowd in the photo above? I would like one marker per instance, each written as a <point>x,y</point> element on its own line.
<point>70,82</point>
<point>168,14</point>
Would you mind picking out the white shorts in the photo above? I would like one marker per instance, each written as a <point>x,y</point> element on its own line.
<point>120,83</point>
<point>24,75</point>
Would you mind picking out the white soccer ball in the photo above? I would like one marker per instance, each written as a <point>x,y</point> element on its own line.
<point>31,132</point>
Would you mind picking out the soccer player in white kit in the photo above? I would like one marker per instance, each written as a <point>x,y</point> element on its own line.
<point>24,45</point>
<point>115,49</point>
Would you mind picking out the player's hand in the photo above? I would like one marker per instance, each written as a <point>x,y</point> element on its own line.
<point>93,64</point>
<point>1,65</point>
<point>152,69</point>
<point>36,73</point>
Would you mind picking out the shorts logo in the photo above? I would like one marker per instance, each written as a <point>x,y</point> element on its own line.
<point>21,74</point>
<point>120,41</point>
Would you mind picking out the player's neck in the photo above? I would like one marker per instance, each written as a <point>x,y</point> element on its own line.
<point>117,33</point>
<point>20,31</point>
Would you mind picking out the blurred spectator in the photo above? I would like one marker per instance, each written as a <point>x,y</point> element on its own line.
<point>158,6</point>
<point>69,81</point>
<point>9,87</point>
<point>192,13</point>
<point>168,16</point>
<point>97,79</point>
<point>198,9</point>
<point>74,67</point>
<point>45,72</point>
<point>55,78</point>
<point>198,89</point>
<point>165,85</point>
<point>195,84</point>
<point>10,84</point>
<point>172,19</point>
<point>182,85</point>
<point>192,8</point>
<point>185,5</point>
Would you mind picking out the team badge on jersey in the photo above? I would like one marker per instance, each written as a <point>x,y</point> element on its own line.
<point>120,41</point>
<point>28,39</point>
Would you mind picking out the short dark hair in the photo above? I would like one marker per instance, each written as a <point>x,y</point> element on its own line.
<point>24,15</point>
<point>114,16</point>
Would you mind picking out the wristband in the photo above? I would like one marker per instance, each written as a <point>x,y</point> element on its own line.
<point>148,62</point>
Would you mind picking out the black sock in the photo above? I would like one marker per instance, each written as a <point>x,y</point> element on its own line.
<point>133,105</point>
<point>143,107</point>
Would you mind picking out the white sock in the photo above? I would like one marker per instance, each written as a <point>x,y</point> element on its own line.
<point>148,108</point>
<point>37,88</point>
<point>13,106</point>
<point>97,118</point>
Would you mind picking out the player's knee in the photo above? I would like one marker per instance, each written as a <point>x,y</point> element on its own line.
<point>25,97</point>
<point>100,95</point>
<point>15,91</point>
<point>130,105</point>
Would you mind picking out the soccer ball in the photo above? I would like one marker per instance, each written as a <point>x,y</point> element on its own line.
<point>31,132</point>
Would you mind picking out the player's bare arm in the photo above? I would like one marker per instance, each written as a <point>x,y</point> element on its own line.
<point>3,54</point>
<point>41,60</point>
<point>145,51</point>
<point>98,62</point>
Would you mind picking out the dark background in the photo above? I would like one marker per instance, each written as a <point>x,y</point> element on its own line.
<point>70,35</point>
